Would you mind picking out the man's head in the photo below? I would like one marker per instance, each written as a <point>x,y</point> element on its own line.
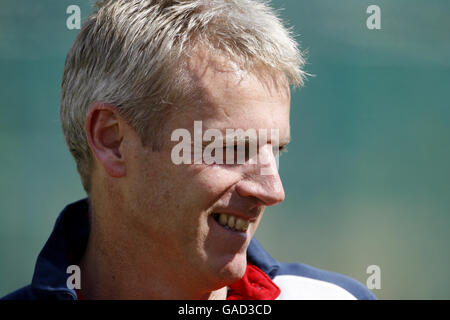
<point>141,69</point>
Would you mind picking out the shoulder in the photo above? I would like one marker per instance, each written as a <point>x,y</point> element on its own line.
<point>25,293</point>
<point>300,281</point>
<point>31,293</point>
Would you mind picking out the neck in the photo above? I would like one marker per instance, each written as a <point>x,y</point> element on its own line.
<point>115,266</point>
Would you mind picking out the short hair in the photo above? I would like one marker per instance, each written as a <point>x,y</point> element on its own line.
<point>129,53</point>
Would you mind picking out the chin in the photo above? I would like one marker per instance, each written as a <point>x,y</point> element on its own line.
<point>233,270</point>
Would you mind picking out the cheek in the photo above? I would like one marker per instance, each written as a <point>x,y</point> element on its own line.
<point>212,181</point>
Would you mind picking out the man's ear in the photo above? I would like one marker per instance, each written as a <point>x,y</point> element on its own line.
<point>104,131</point>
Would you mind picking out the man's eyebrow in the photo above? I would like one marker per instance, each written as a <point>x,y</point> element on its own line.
<point>224,138</point>
<point>231,137</point>
<point>206,142</point>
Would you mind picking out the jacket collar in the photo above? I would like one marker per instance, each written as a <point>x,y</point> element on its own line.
<point>68,242</point>
<point>260,258</point>
<point>65,246</point>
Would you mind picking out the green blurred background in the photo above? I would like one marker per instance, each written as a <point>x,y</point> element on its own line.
<point>367,173</point>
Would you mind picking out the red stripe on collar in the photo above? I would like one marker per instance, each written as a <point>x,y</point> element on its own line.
<point>254,285</point>
<point>79,295</point>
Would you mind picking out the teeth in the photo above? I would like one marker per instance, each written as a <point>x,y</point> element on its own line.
<point>233,223</point>
<point>239,224</point>
<point>223,219</point>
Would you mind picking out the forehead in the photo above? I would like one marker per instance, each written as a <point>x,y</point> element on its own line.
<point>228,97</point>
<point>216,75</point>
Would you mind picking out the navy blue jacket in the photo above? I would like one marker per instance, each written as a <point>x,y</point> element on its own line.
<point>68,241</point>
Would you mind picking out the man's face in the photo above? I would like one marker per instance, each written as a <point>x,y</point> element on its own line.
<point>175,207</point>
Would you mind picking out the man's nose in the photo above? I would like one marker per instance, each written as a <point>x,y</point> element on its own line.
<point>262,180</point>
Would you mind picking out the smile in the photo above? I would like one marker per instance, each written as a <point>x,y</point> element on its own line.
<point>231,222</point>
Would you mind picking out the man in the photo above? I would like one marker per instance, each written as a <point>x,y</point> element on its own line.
<point>153,228</point>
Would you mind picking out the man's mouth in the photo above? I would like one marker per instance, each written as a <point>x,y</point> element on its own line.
<point>231,222</point>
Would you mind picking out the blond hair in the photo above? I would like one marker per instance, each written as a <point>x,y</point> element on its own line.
<point>129,54</point>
